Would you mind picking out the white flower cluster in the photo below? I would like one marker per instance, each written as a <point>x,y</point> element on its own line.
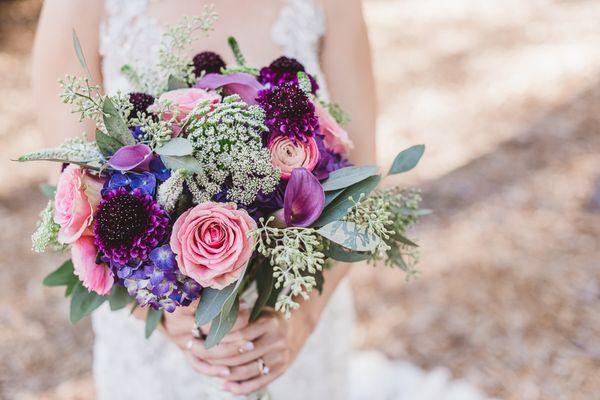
<point>227,140</point>
<point>85,98</point>
<point>156,131</point>
<point>169,191</point>
<point>295,256</point>
<point>46,234</point>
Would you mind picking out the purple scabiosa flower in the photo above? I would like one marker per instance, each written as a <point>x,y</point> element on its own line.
<point>128,225</point>
<point>140,103</point>
<point>284,70</point>
<point>157,282</point>
<point>208,62</point>
<point>289,112</point>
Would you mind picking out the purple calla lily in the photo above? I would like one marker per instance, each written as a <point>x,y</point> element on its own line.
<point>130,157</point>
<point>304,199</point>
<point>245,85</point>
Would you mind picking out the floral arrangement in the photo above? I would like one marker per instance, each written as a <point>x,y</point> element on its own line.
<point>212,180</point>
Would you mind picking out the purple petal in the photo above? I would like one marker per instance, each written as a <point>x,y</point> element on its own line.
<point>163,258</point>
<point>304,199</point>
<point>245,85</point>
<point>130,157</point>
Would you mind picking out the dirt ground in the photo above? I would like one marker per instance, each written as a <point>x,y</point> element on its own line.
<point>506,96</point>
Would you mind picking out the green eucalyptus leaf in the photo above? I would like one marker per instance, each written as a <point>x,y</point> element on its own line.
<point>349,235</point>
<point>211,303</point>
<point>107,144</point>
<point>48,190</point>
<point>340,253</point>
<point>62,276</point>
<point>339,207</point>
<point>189,163</point>
<point>399,238</point>
<point>407,159</point>
<point>152,320</point>
<point>176,147</point>
<point>83,302</point>
<point>331,196</point>
<point>348,176</point>
<point>115,125</point>
<point>119,298</point>
<point>80,55</point>
<point>320,281</point>
<point>175,83</point>
<point>221,325</point>
<point>264,287</point>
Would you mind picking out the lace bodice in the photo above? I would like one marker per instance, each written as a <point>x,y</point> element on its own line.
<point>126,366</point>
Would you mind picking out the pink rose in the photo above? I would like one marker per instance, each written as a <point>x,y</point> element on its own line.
<point>77,196</point>
<point>96,277</point>
<point>211,243</point>
<point>335,138</point>
<point>287,154</point>
<point>185,100</point>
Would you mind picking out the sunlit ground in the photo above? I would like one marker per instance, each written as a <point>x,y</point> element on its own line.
<point>506,96</point>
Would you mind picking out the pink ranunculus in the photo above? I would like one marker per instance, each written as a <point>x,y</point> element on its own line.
<point>211,243</point>
<point>184,101</point>
<point>95,277</point>
<point>77,196</point>
<point>287,154</point>
<point>335,138</point>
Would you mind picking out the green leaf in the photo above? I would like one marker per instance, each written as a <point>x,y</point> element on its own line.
<point>235,49</point>
<point>339,207</point>
<point>62,276</point>
<point>119,298</point>
<point>107,144</point>
<point>176,147</point>
<point>189,163</point>
<point>71,287</point>
<point>115,125</point>
<point>48,190</point>
<point>175,83</point>
<point>274,296</point>
<point>407,159</point>
<point>79,53</point>
<point>345,177</point>
<point>83,302</point>
<point>221,325</point>
<point>152,319</point>
<point>331,196</point>
<point>340,253</point>
<point>320,281</point>
<point>211,303</point>
<point>349,235</point>
<point>399,238</point>
<point>264,286</point>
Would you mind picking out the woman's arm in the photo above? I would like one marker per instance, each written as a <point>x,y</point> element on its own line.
<point>347,66</point>
<point>54,57</point>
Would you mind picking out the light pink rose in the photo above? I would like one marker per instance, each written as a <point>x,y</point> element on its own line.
<point>184,101</point>
<point>77,196</point>
<point>211,243</point>
<point>335,138</point>
<point>287,154</point>
<point>95,277</point>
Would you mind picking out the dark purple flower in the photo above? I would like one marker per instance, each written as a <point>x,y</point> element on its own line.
<point>207,62</point>
<point>128,225</point>
<point>140,102</point>
<point>245,85</point>
<point>157,282</point>
<point>328,161</point>
<point>131,157</point>
<point>284,70</point>
<point>304,199</point>
<point>289,112</point>
<point>266,204</point>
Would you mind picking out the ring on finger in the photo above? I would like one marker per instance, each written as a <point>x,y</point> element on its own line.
<point>262,367</point>
<point>197,333</point>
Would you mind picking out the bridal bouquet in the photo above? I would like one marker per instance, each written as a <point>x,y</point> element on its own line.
<point>211,181</point>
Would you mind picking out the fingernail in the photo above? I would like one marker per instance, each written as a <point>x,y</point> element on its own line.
<point>248,346</point>
<point>189,344</point>
<point>225,372</point>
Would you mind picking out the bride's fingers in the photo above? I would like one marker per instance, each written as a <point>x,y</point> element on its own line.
<point>252,331</point>
<point>252,369</point>
<point>205,368</point>
<point>222,350</point>
<point>264,345</point>
<point>253,385</point>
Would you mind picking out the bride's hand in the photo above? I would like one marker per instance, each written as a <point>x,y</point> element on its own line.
<point>178,326</point>
<point>257,354</point>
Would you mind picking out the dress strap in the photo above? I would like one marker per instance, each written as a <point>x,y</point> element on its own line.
<point>298,31</point>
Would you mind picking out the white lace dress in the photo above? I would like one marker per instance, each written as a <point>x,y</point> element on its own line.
<point>127,366</point>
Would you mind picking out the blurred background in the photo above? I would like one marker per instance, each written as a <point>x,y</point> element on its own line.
<point>506,96</point>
